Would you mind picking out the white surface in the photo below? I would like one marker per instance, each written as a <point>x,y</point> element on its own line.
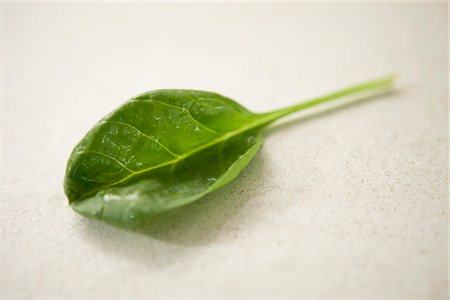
<point>351,203</point>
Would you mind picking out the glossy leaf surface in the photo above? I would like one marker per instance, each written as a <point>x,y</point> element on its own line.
<point>158,151</point>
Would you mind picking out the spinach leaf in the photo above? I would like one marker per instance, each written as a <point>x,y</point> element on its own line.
<point>166,148</point>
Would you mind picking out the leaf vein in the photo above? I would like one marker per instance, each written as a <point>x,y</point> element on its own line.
<point>107,156</point>
<point>198,101</point>
<point>186,110</point>
<point>144,135</point>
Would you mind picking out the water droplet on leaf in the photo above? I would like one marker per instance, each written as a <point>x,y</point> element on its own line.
<point>212,180</point>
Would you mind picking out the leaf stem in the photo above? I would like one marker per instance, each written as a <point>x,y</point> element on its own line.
<point>379,85</point>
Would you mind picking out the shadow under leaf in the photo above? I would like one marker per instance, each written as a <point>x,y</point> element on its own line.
<point>194,224</point>
<point>200,222</point>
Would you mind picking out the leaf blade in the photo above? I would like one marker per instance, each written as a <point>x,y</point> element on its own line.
<point>163,185</point>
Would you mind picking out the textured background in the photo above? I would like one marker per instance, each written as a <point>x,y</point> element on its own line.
<point>348,203</point>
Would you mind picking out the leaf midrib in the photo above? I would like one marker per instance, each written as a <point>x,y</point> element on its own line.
<point>258,122</point>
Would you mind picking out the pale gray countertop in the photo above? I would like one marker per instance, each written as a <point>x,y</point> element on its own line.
<point>348,203</point>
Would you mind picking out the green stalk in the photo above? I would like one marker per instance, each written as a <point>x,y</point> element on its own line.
<point>380,85</point>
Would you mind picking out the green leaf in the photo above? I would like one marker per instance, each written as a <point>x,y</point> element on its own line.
<point>167,148</point>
